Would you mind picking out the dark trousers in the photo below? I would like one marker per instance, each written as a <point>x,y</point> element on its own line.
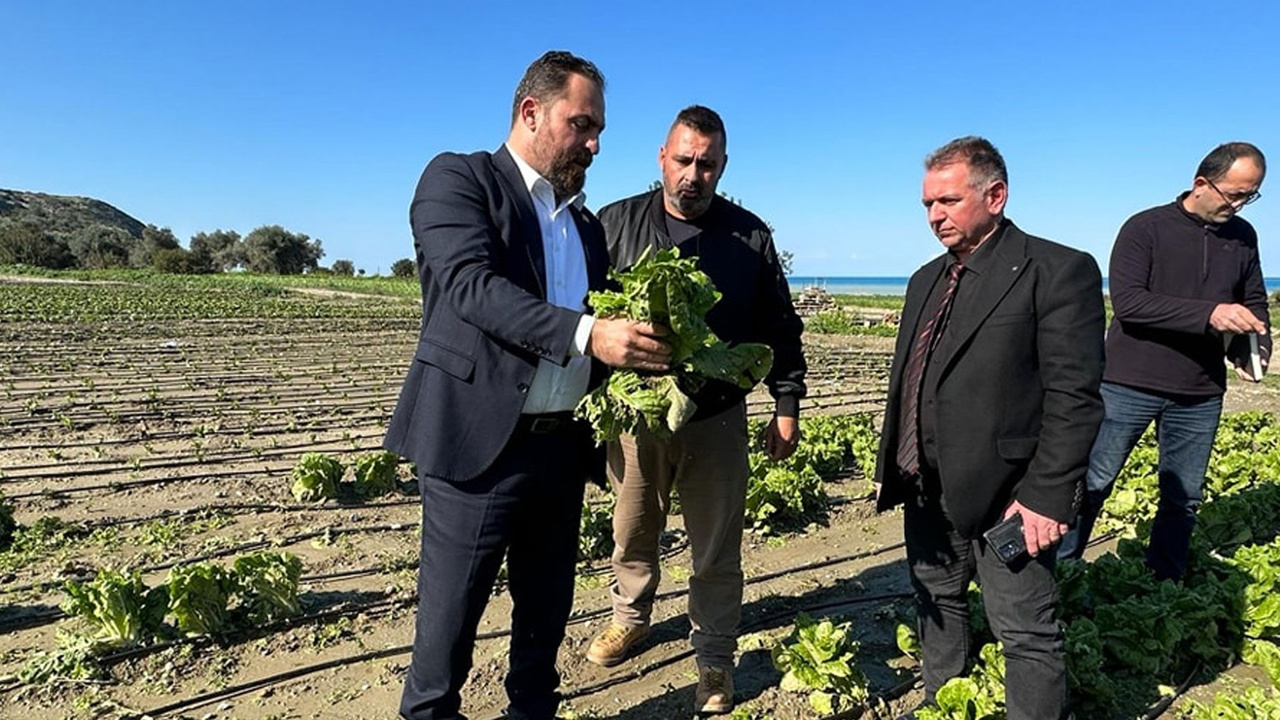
<point>528,506</point>
<point>1020,602</point>
<point>1185,429</point>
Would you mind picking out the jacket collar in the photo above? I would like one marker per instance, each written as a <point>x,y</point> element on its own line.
<point>1005,261</point>
<point>516,189</point>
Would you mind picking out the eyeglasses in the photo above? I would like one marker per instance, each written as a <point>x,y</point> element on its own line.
<point>1240,199</point>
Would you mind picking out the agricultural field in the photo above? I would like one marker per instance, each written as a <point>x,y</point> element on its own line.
<point>156,426</point>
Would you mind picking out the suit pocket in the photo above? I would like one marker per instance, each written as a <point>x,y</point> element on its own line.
<point>447,359</point>
<point>1018,448</point>
<point>1009,318</point>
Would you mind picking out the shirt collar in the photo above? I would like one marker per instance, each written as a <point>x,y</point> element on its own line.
<point>538,185</point>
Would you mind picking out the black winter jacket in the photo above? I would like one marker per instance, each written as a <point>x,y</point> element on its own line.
<point>735,249</point>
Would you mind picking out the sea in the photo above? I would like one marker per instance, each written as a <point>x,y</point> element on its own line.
<point>878,285</point>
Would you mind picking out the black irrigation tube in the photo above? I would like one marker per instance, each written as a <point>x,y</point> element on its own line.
<point>78,469</point>
<point>282,464</point>
<point>233,691</point>
<point>170,408</point>
<point>752,626</point>
<point>138,387</point>
<point>246,421</point>
<point>579,618</point>
<point>382,389</point>
<point>55,615</point>
<point>186,375</point>
<point>45,618</point>
<point>224,431</point>
<point>232,509</point>
<point>376,608</point>
<point>231,550</point>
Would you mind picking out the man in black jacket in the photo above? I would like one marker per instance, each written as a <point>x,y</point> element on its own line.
<point>707,458</point>
<point>1183,276</point>
<point>993,405</point>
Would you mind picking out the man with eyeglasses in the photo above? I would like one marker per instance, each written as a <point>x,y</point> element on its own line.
<point>1185,280</point>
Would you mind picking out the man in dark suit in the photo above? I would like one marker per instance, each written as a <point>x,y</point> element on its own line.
<point>506,254</point>
<point>993,405</point>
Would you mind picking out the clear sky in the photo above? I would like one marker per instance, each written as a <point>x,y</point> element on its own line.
<point>319,116</point>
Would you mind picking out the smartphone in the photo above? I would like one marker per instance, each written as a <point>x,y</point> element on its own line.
<point>1006,539</point>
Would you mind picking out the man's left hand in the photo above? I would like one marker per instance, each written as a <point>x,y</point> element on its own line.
<point>1039,531</point>
<point>781,437</point>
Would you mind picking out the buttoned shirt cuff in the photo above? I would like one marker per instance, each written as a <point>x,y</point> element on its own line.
<point>582,335</point>
<point>787,406</point>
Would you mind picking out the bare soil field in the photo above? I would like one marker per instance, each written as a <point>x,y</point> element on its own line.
<point>164,442</point>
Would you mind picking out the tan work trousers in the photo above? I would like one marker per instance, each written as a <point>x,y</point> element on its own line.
<point>706,461</point>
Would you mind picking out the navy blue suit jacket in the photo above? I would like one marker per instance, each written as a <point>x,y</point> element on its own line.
<point>485,319</point>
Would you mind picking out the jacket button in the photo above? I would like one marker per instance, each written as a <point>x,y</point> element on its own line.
<point>523,387</point>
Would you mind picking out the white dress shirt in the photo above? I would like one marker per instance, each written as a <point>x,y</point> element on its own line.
<point>555,388</point>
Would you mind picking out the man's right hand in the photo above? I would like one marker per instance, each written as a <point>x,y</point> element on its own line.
<point>1235,318</point>
<point>629,344</point>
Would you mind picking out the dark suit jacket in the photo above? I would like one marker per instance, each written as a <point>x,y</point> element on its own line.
<point>1017,372</point>
<point>485,318</point>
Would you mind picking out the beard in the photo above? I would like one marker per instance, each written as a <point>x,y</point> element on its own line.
<point>566,169</point>
<point>690,199</point>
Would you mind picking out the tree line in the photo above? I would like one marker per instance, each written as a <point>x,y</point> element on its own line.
<point>269,249</point>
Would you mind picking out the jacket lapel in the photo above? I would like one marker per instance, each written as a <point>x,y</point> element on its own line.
<point>1008,265</point>
<point>913,305</point>
<point>593,251</point>
<point>513,183</point>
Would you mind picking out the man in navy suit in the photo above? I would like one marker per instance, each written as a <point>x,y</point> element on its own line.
<point>506,253</point>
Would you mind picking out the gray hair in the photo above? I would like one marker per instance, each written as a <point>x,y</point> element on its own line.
<point>986,166</point>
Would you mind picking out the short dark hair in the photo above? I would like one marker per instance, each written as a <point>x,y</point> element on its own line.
<point>1220,159</point>
<point>985,162</point>
<point>704,120</point>
<point>548,76</point>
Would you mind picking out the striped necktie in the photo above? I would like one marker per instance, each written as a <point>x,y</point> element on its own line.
<point>909,417</point>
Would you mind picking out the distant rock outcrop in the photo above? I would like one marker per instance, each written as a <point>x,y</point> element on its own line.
<point>63,215</point>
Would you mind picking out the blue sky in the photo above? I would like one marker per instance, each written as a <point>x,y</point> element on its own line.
<point>319,116</point>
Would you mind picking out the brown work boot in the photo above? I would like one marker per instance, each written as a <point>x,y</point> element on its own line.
<point>611,646</point>
<point>714,695</point>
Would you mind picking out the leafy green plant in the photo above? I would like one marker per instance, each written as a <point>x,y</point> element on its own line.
<point>595,536</point>
<point>267,583</point>
<point>75,658</point>
<point>831,322</point>
<point>1253,704</point>
<point>908,640</point>
<point>375,473</point>
<point>669,291</point>
<point>119,606</point>
<point>780,498</point>
<point>819,658</point>
<point>199,598</point>
<point>977,696</point>
<point>315,477</point>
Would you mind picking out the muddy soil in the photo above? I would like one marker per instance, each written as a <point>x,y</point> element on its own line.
<point>162,445</point>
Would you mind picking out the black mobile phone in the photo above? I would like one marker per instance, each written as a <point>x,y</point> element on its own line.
<point>1006,539</point>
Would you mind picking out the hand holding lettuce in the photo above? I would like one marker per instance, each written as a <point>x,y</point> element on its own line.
<point>666,290</point>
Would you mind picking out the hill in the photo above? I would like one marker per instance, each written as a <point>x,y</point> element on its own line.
<point>64,214</point>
